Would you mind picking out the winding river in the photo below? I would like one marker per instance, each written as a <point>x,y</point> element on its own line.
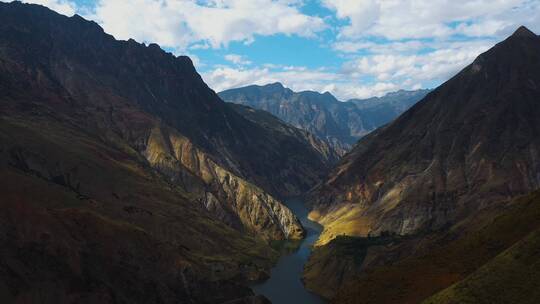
<point>284,285</point>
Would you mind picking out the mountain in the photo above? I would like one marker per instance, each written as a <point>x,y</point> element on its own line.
<point>460,153</point>
<point>126,179</point>
<point>378,111</point>
<point>341,124</point>
<point>270,122</point>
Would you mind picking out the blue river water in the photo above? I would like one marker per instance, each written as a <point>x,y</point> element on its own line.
<point>284,285</point>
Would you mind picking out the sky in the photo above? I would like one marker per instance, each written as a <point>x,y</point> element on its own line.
<point>351,48</point>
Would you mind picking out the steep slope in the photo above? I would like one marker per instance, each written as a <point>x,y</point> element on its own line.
<point>84,221</point>
<point>490,259</point>
<point>401,207</point>
<point>516,272</point>
<point>158,105</point>
<point>273,123</point>
<point>378,111</point>
<point>470,143</point>
<point>341,124</point>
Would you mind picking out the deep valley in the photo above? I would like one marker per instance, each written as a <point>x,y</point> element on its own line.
<point>125,178</point>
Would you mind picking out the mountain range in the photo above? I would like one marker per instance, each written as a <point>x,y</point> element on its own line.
<point>338,123</point>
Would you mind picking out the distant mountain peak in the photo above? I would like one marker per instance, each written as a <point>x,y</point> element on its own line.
<point>523,31</point>
<point>275,85</point>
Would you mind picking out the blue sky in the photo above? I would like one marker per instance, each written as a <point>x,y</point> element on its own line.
<point>352,48</point>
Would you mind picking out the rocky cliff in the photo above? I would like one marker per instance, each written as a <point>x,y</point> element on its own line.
<point>235,201</point>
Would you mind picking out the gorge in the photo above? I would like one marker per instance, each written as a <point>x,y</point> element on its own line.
<point>126,179</point>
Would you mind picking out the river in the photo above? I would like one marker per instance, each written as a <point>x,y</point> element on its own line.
<point>284,285</point>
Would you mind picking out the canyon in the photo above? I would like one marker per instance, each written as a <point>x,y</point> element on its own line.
<point>126,179</point>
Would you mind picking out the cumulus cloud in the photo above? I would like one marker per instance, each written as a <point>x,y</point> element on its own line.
<point>213,23</point>
<point>439,64</point>
<point>361,14</point>
<point>417,43</point>
<point>237,59</point>
<point>298,79</point>
<point>405,19</point>
<point>381,72</point>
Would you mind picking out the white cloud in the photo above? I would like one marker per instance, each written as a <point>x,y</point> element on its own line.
<point>362,77</point>
<point>179,23</point>
<point>412,43</point>
<point>64,7</point>
<point>418,46</point>
<point>351,90</point>
<point>237,59</point>
<point>361,14</point>
<point>417,68</point>
<point>403,19</point>
<point>373,47</point>
<point>298,79</point>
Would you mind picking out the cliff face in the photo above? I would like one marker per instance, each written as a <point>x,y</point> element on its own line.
<point>470,143</point>
<point>339,124</point>
<point>235,201</point>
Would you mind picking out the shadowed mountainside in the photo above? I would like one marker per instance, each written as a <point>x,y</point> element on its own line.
<point>273,123</point>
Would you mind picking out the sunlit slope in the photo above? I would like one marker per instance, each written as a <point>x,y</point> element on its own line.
<point>477,256</point>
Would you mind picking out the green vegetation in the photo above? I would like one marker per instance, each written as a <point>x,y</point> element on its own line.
<point>460,256</point>
<point>511,277</point>
<point>356,247</point>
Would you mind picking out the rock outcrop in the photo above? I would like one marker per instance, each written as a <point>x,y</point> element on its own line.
<point>235,201</point>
